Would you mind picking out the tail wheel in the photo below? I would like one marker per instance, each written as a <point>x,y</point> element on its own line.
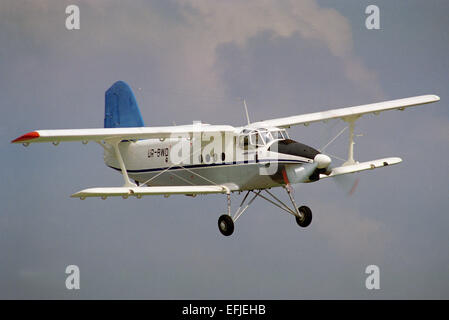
<point>305,217</point>
<point>226,225</point>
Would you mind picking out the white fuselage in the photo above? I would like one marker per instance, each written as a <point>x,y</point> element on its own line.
<point>176,162</point>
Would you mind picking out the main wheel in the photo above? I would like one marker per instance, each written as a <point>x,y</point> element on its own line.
<point>306,216</point>
<point>226,225</point>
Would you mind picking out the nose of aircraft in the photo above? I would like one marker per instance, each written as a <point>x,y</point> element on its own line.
<point>294,148</point>
<point>322,160</point>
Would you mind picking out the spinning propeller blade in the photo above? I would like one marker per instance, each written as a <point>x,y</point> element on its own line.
<point>348,183</point>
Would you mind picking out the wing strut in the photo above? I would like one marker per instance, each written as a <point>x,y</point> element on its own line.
<point>351,121</point>
<point>128,183</point>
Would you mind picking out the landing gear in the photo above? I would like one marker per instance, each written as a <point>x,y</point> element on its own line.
<point>226,225</point>
<point>305,216</point>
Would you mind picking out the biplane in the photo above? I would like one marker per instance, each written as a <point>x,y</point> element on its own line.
<point>201,158</point>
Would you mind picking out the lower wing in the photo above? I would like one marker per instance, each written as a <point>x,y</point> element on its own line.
<point>367,165</point>
<point>138,192</point>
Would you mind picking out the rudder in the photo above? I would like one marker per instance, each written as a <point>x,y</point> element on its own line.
<point>121,109</point>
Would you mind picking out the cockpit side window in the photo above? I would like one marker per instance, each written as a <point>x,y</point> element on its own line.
<point>256,139</point>
<point>266,136</point>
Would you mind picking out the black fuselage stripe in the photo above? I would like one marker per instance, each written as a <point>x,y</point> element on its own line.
<point>206,165</point>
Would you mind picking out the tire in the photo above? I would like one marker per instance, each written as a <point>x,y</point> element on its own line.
<point>226,225</point>
<point>306,218</point>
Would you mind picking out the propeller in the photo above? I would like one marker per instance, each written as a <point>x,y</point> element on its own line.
<point>322,164</point>
<point>348,183</point>
<point>309,171</point>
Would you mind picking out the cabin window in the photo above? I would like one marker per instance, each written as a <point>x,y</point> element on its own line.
<point>244,141</point>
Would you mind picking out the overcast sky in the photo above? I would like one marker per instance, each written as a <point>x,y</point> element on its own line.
<point>195,60</point>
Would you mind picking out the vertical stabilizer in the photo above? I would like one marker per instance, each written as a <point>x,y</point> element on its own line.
<point>121,108</point>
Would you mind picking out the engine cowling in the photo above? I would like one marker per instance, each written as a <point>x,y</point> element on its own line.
<point>308,172</point>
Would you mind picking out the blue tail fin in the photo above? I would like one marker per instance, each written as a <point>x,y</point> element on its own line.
<point>121,108</point>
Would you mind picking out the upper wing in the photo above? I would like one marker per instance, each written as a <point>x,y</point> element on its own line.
<point>348,113</point>
<point>117,133</point>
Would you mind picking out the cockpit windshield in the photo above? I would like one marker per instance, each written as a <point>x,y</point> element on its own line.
<point>279,134</point>
<point>261,136</point>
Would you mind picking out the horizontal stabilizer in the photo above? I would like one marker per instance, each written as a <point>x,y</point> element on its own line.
<point>368,165</point>
<point>145,191</point>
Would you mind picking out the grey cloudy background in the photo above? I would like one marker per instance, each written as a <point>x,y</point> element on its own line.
<point>194,60</point>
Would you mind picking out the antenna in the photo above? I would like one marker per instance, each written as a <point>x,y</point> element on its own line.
<point>246,111</point>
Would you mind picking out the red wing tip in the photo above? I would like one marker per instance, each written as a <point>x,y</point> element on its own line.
<point>27,136</point>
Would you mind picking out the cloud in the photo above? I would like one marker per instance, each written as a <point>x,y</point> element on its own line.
<point>212,24</point>
<point>183,36</point>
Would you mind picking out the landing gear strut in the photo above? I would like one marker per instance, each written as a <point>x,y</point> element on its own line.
<point>303,214</point>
